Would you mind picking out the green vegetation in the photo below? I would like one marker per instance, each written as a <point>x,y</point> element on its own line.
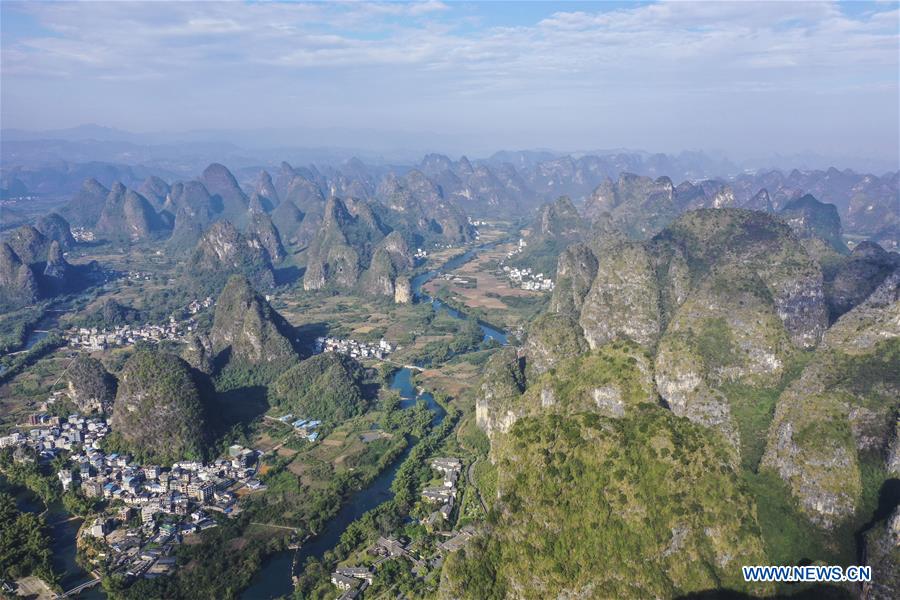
<point>217,568</point>
<point>15,325</point>
<point>158,414</point>
<point>326,386</point>
<point>24,547</point>
<point>29,474</point>
<point>579,487</point>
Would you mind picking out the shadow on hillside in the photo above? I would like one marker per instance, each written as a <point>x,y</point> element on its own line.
<point>811,592</point>
<point>240,405</point>
<point>288,275</point>
<point>307,334</point>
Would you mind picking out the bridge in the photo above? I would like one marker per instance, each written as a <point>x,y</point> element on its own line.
<point>79,588</point>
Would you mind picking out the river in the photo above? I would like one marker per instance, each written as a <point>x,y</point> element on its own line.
<point>274,578</point>
<point>63,535</point>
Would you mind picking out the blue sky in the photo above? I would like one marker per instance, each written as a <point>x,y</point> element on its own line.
<point>744,78</point>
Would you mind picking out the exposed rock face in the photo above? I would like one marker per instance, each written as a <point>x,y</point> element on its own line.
<point>623,301</point>
<point>854,278</point>
<point>249,328</point>
<point>575,272</point>
<point>421,203</point>
<point>128,216</point>
<point>402,290</point>
<point>726,332</point>
<point>261,228</point>
<point>639,206</point>
<point>746,241</point>
<point>612,381</point>
<point>85,208</point>
<point>551,339</point>
<point>810,218</point>
<point>18,285</point>
<point>223,250</point>
<point>199,354</point>
<point>353,249</point>
<point>90,386</point>
<point>228,198</point>
<point>502,383</point>
<point>841,409</point>
<point>335,254</point>
<point>158,411</point>
<point>57,269</point>
<point>559,219</point>
<point>55,227</point>
<point>29,244</point>
<point>722,297</point>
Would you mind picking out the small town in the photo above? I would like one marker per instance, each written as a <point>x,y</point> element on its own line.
<point>353,348</point>
<point>353,580</point>
<point>528,280</point>
<point>149,508</point>
<point>94,338</point>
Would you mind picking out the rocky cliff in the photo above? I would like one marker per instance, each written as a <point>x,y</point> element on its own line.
<point>263,230</point>
<point>811,219</point>
<point>354,250</point>
<point>223,251</point>
<point>84,209</point>
<point>54,227</point>
<point>128,216</point>
<point>421,205</point>
<point>18,285</point>
<point>840,414</point>
<point>229,201</point>
<point>89,385</point>
<point>248,329</point>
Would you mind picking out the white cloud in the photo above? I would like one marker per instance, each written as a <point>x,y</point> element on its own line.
<point>420,58</point>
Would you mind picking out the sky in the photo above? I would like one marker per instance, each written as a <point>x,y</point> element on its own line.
<point>742,78</point>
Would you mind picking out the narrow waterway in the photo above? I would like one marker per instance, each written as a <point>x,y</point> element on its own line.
<point>274,579</point>
<point>63,535</point>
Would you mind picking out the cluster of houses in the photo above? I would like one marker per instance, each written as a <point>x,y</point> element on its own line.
<point>94,338</point>
<point>157,505</point>
<point>520,247</point>
<point>444,494</point>
<point>420,253</point>
<point>354,348</point>
<point>305,427</point>
<point>139,275</point>
<point>351,581</point>
<point>83,235</point>
<point>526,279</point>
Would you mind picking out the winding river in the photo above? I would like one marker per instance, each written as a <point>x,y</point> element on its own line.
<point>274,579</point>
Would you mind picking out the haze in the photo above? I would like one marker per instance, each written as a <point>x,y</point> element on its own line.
<point>746,79</point>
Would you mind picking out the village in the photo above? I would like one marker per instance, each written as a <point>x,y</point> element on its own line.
<point>526,279</point>
<point>353,348</point>
<point>94,338</point>
<point>353,580</point>
<point>148,508</point>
